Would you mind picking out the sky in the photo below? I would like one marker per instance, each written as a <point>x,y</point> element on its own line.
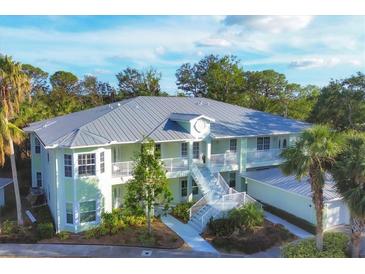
<point>307,49</point>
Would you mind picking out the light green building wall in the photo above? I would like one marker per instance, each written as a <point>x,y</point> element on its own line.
<point>220,146</point>
<point>171,150</point>
<point>288,201</point>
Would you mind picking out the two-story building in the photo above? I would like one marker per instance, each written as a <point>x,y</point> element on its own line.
<point>210,149</point>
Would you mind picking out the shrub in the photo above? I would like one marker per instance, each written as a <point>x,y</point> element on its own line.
<point>45,231</point>
<point>63,235</point>
<point>181,211</point>
<point>221,227</point>
<point>112,222</point>
<point>9,227</point>
<point>249,216</point>
<point>334,246</point>
<point>132,220</point>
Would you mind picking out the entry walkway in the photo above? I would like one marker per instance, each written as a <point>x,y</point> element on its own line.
<point>189,235</point>
<point>292,228</point>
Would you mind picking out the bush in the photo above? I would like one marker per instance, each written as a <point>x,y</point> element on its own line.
<point>9,227</point>
<point>181,211</point>
<point>248,217</point>
<point>221,227</point>
<point>334,246</point>
<point>132,220</point>
<point>112,222</point>
<point>63,235</point>
<point>45,231</point>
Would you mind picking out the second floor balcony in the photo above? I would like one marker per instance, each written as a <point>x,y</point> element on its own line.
<point>263,157</point>
<point>125,169</point>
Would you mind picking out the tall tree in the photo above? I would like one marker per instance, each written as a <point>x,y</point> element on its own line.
<point>65,95</point>
<point>132,83</point>
<point>14,86</point>
<point>342,104</point>
<point>38,79</point>
<point>312,156</point>
<point>215,77</point>
<point>349,175</point>
<point>149,185</point>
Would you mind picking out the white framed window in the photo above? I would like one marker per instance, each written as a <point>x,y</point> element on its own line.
<point>67,162</point>
<point>37,145</point>
<point>39,179</point>
<point>184,187</point>
<point>195,188</point>
<point>263,143</point>
<point>69,213</point>
<point>232,180</point>
<point>102,162</point>
<point>88,211</point>
<point>196,150</point>
<point>184,149</point>
<point>233,145</point>
<point>86,163</point>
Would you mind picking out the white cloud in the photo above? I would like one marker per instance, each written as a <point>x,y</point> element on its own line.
<point>317,62</point>
<point>213,42</point>
<point>160,50</point>
<point>273,24</point>
<point>102,71</point>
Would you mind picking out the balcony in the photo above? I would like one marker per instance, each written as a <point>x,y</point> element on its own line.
<point>124,169</point>
<point>224,162</point>
<point>264,157</point>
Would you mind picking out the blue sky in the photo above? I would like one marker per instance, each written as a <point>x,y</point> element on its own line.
<point>307,49</point>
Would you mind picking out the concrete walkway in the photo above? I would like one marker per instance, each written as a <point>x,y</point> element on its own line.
<point>300,233</point>
<point>189,235</point>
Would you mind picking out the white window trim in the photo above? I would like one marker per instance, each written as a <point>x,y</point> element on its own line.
<point>73,213</point>
<point>72,167</point>
<point>96,165</point>
<point>187,187</point>
<point>96,211</point>
<point>187,150</point>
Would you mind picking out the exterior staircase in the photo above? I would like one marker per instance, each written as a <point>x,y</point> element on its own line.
<point>218,198</point>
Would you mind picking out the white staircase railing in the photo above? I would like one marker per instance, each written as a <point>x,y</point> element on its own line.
<point>218,197</point>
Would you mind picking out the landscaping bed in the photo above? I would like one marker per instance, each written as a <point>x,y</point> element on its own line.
<point>162,237</point>
<point>245,230</point>
<point>335,245</point>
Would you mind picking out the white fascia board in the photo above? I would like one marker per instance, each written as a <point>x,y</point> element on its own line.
<point>249,136</point>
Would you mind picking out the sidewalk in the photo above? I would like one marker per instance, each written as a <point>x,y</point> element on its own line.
<point>292,228</point>
<point>189,235</point>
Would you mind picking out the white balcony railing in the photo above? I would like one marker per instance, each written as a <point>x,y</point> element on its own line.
<point>124,169</point>
<point>224,159</point>
<point>176,164</point>
<point>266,155</point>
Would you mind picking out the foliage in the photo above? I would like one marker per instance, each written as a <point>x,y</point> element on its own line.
<point>349,175</point>
<point>132,83</point>
<point>9,227</point>
<point>313,155</point>
<point>219,78</point>
<point>342,104</point>
<point>38,79</point>
<point>255,241</point>
<point>334,246</point>
<point>247,217</point>
<point>45,230</point>
<point>149,186</point>
<point>221,227</point>
<point>112,223</point>
<point>63,235</point>
<point>181,211</point>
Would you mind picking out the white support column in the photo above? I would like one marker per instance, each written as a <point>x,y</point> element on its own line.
<point>208,153</point>
<point>190,188</point>
<point>242,159</point>
<point>190,153</point>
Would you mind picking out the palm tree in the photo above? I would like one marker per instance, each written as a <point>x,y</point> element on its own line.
<point>349,175</point>
<point>312,155</point>
<point>14,86</point>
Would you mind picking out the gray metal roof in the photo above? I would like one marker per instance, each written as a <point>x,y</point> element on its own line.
<point>133,119</point>
<point>275,178</point>
<point>5,181</point>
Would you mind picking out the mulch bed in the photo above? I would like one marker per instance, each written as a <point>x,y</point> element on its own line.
<point>163,237</point>
<point>263,238</point>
